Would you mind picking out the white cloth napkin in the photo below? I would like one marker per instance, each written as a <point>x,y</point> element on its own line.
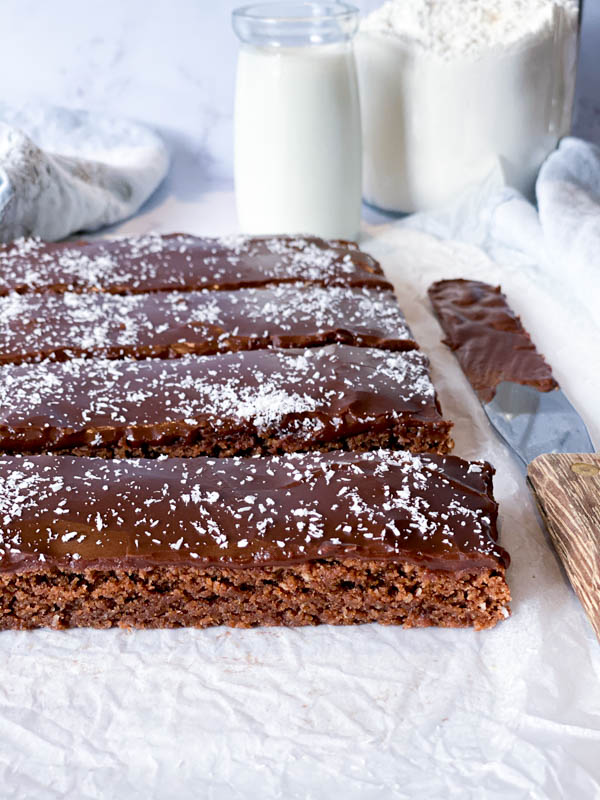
<point>63,171</point>
<point>561,239</point>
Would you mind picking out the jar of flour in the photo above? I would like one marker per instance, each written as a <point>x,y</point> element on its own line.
<point>452,89</point>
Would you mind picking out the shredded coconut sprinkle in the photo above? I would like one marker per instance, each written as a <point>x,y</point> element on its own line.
<point>290,391</point>
<point>378,505</point>
<point>178,261</point>
<point>66,325</point>
<point>452,28</point>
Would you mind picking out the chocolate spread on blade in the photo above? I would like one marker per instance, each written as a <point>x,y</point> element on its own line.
<point>75,513</point>
<point>317,395</point>
<point>178,261</point>
<point>169,324</point>
<point>487,337</point>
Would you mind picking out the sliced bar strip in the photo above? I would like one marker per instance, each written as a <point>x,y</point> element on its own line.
<point>338,538</point>
<point>487,337</point>
<point>264,401</point>
<point>178,261</point>
<point>169,324</point>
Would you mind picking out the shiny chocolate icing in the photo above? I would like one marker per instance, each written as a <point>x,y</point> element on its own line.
<point>178,261</point>
<point>487,337</point>
<point>166,324</point>
<point>311,396</point>
<point>78,513</point>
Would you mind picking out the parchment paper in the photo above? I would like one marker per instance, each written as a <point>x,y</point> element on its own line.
<point>352,713</point>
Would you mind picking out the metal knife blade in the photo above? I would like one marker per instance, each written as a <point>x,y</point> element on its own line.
<point>533,422</point>
<point>513,381</point>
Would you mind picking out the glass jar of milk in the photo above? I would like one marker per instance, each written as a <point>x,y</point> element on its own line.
<point>297,120</point>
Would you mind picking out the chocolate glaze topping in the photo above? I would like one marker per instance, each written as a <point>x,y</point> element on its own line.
<point>315,395</point>
<point>76,513</point>
<point>178,261</point>
<point>168,324</point>
<point>487,337</point>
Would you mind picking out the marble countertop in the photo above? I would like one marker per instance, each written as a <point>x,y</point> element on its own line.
<point>173,66</point>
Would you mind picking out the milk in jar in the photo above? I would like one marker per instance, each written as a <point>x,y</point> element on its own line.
<point>297,120</point>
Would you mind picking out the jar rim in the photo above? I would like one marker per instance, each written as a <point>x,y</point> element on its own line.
<point>266,12</point>
<point>295,23</point>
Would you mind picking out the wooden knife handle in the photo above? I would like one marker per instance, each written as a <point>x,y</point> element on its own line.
<point>567,488</point>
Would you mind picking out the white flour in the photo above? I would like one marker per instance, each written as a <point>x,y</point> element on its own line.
<point>451,91</point>
<point>451,28</point>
